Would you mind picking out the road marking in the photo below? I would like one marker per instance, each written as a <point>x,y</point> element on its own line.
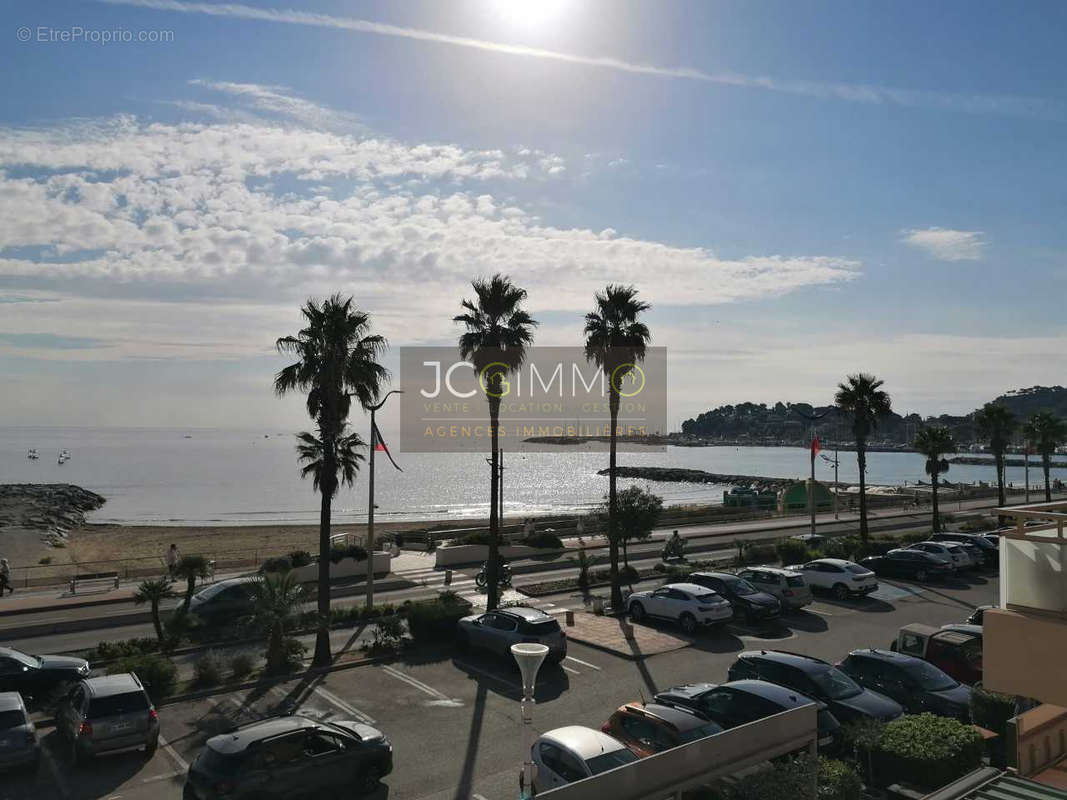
<point>583,663</point>
<point>166,777</point>
<point>440,698</point>
<point>182,765</point>
<point>477,797</point>
<point>330,697</point>
<point>565,668</point>
<point>486,673</point>
<point>60,782</point>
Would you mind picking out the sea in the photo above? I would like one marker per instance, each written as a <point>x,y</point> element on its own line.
<point>241,477</point>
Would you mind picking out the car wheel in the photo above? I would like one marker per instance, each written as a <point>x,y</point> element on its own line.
<point>688,623</point>
<point>921,576</point>
<point>369,779</point>
<point>840,591</point>
<point>637,612</point>
<point>150,749</point>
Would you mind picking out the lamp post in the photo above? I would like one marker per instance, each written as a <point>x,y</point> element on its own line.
<point>529,657</point>
<point>370,502</point>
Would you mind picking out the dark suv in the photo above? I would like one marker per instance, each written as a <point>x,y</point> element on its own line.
<point>916,684</point>
<point>748,602</point>
<point>108,714</point>
<point>846,699</point>
<point>225,601</point>
<point>284,757</point>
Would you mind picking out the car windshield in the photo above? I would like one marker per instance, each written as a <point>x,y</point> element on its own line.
<point>542,627</point>
<point>211,591</point>
<point>740,586</point>
<point>117,704</point>
<point>929,677</point>
<point>857,569</point>
<point>11,719</point>
<point>794,580</point>
<point>218,763</point>
<point>24,658</point>
<point>699,733</point>
<point>836,684</point>
<point>603,763</point>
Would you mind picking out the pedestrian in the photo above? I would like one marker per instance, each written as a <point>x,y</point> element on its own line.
<point>173,557</point>
<point>5,577</point>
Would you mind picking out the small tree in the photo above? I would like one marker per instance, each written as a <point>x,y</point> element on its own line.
<point>153,592</point>
<point>276,597</point>
<point>934,442</point>
<point>190,568</point>
<point>638,511</point>
<point>1045,432</point>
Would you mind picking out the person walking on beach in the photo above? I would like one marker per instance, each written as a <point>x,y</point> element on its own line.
<point>173,557</point>
<point>5,577</point>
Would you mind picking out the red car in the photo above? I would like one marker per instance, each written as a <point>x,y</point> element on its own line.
<point>955,649</point>
<point>650,728</point>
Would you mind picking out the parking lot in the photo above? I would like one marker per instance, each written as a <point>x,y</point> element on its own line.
<point>453,719</point>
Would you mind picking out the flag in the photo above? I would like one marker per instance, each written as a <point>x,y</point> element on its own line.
<point>814,445</point>
<point>379,445</point>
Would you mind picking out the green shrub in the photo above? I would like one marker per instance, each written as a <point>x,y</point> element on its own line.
<point>759,554</point>
<point>992,710</point>
<point>277,564</point>
<point>583,569</point>
<point>106,651</point>
<point>480,537</point>
<point>388,634</point>
<point>659,566</point>
<point>157,673</point>
<point>241,665</point>
<point>926,750</point>
<point>788,778</point>
<point>628,574</point>
<point>435,620</point>
<point>913,537</point>
<point>840,547</point>
<point>208,669</point>
<point>545,539</point>
<point>838,781</point>
<point>979,525</point>
<point>347,551</point>
<point>293,654</point>
<point>300,558</point>
<point>792,551</point>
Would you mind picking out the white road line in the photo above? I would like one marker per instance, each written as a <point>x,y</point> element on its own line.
<point>168,776</point>
<point>330,697</point>
<point>565,668</point>
<point>182,765</point>
<point>422,687</point>
<point>583,663</point>
<point>477,797</point>
<point>486,674</point>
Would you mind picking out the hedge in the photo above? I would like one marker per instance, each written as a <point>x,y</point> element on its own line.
<point>545,539</point>
<point>277,564</point>
<point>793,551</point>
<point>348,551</point>
<point>926,750</point>
<point>992,710</point>
<point>157,673</point>
<point>838,781</point>
<point>435,620</point>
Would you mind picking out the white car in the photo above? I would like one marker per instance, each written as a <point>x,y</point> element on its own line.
<point>843,578</point>
<point>570,754</point>
<point>946,551</point>
<point>689,605</point>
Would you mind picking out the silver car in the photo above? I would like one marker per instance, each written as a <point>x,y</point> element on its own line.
<point>108,714</point>
<point>788,586</point>
<point>573,753</point>
<point>18,737</point>
<point>498,630</point>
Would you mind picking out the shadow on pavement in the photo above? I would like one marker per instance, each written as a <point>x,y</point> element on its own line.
<point>805,621</point>
<point>474,735</point>
<point>501,676</point>
<point>98,777</point>
<point>869,605</point>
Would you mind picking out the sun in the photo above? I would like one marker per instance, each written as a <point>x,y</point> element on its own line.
<point>530,14</point>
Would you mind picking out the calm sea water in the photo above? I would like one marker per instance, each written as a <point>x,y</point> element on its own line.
<point>233,477</point>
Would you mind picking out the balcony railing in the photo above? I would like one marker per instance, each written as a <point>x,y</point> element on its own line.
<point>1033,559</point>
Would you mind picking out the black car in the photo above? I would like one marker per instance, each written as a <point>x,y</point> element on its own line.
<point>975,544</point>
<point>739,702</point>
<point>38,676</point>
<point>915,564</point>
<point>748,602</point>
<point>846,699</point>
<point>916,684</point>
<point>290,756</point>
<point>224,601</point>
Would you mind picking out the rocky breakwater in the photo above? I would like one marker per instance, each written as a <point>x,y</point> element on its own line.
<point>680,475</point>
<point>52,508</point>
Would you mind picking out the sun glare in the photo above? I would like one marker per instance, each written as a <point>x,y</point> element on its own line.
<point>529,14</point>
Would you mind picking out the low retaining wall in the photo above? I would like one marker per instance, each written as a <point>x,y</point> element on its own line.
<point>474,553</point>
<point>346,568</point>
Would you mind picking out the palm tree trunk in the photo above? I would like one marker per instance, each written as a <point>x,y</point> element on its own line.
<point>861,457</point>
<point>493,567</point>
<point>155,620</point>
<point>613,539</point>
<point>322,635</point>
<point>933,502</point>
<point>999,456</point>
<point>1045,464</point>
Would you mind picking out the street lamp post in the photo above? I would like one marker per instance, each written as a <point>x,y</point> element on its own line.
<point>529,657</point>
<point>370,502</point>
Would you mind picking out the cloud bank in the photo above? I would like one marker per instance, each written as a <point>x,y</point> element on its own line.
<point>946,244</point>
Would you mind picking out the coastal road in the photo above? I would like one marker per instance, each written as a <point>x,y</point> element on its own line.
<point>454,719</point>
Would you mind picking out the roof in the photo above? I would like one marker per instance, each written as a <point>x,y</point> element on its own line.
<point>523,612</point>
<point>680,719</point>
<point>785,657</point>
<point>586,742</point>
<point>837,562</point>
<point>787,698</point>
<point>236,741</point>
<point>721,575</point>
<point>692,588</point>
<point>10,701</point>
<point>991,784</point>
<point>885,655</point>
<point>108,685</point>
<point>790,573</point>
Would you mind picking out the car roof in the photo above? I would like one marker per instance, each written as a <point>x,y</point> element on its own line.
<point>11,701</point>
<point>785,657</point>
<point>585,742</point>
<point>109,685</point>
<point>720,575</point>
<point>525,613</point>
<point>10,651</point>
<point>789,573</point>
<point>787,698</point>
<point>888,656</point>
<point>963,627</point>
<point>837,562</point>
<point>681,719</point>
<point>236,741</point>
<point>692,588</point>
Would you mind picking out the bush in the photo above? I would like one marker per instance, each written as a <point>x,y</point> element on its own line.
<point>788,778</point>
<point>841,547</point>
<point>208,669</point>
<point>435,620</point>
<point>838,781</point>
<point>758,554</point>
<point>157,673</point>
<point>913,537</point>
<point>979,525</point>
<point>347,551</point>
<point>300,558</point>
<point>583,569</point>
<point>926,750</point>
<point>106,651</point>
<point>481,537</point>
<point>992,710</point>
<point>388,634</point>
<point>628,574</point>
<point>792,551</point>
<point>277,564</point>
<point>241,665</point>
<point>293,654</point>
<point>545,539</point>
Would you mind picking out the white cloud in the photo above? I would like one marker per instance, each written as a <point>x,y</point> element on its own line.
<point>946,244</point>
<point>281,101</point>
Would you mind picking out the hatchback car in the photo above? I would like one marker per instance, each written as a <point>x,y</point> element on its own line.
<point>18,736</point>
<point>949,551</point>
<point>916,684</point>
<point>739,702</point>
<point>573,753</point>
<point>846,699</point>
<point>498,630</point>
<point>748,602</point>
<point>37,676</point>
<point>842,578</point>
<point>290,756</point>
<point>916,564</point>
<point>688,604</point>
<point>987,544</point>
<point>789,587</point>
<point>224,601</point>
<point>648,728</point>
<point>108,714</point>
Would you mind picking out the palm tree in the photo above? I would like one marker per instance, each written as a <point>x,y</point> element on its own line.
<point>497,332</point>
<point>862,398</point>
<point>337,359</point>
<point>934,442</point>
<point>191,568</point>
<point>153,592</point>
<point>996,424</point>
<point>1045,432</point>
<point>615,341</point>
<point>275,599</point>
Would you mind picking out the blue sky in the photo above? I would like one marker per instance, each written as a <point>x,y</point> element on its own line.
<point>801,189</point>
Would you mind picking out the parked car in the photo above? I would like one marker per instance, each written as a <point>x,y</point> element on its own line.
<point>987,544</point>
<point>689,604</point>
<point>748,602</point>
<point>902,563</point>
<point>649,728</point>
<point>916,684</point>
<point>37,676</point>
<point>572,753</point>
<point>108,714</point>
<point>787,586</point>
<point>846,699</point>
<point>978,615</point>
<point>498,630</point>
<point>223,601</point>
<point>738,702</point>
<point>18,736</point>
<point>954,649</point>
<point>284,757</point>
<point>991,538</point>
<point>950,552</point>
<point>844,579</point>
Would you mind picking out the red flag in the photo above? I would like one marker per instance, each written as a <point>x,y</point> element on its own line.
<point>379,445</point>
<point>815,446</point>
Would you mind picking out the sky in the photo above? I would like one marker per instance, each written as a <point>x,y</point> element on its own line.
<point>800,190</point>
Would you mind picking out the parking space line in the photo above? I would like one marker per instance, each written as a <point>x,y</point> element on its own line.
<point>565,668</point>
<point>182,765</point>
<point>60,782</point>
<point>439,697</point>
<point>487,674</point>
<point>166,777</point>
<point>330,697</point>
<point>583,663</point>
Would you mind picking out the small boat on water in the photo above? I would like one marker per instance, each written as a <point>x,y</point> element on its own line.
<point>32,454</point>
<point>64,456</point>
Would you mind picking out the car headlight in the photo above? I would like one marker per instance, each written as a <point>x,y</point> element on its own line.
<point>83,669</point>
